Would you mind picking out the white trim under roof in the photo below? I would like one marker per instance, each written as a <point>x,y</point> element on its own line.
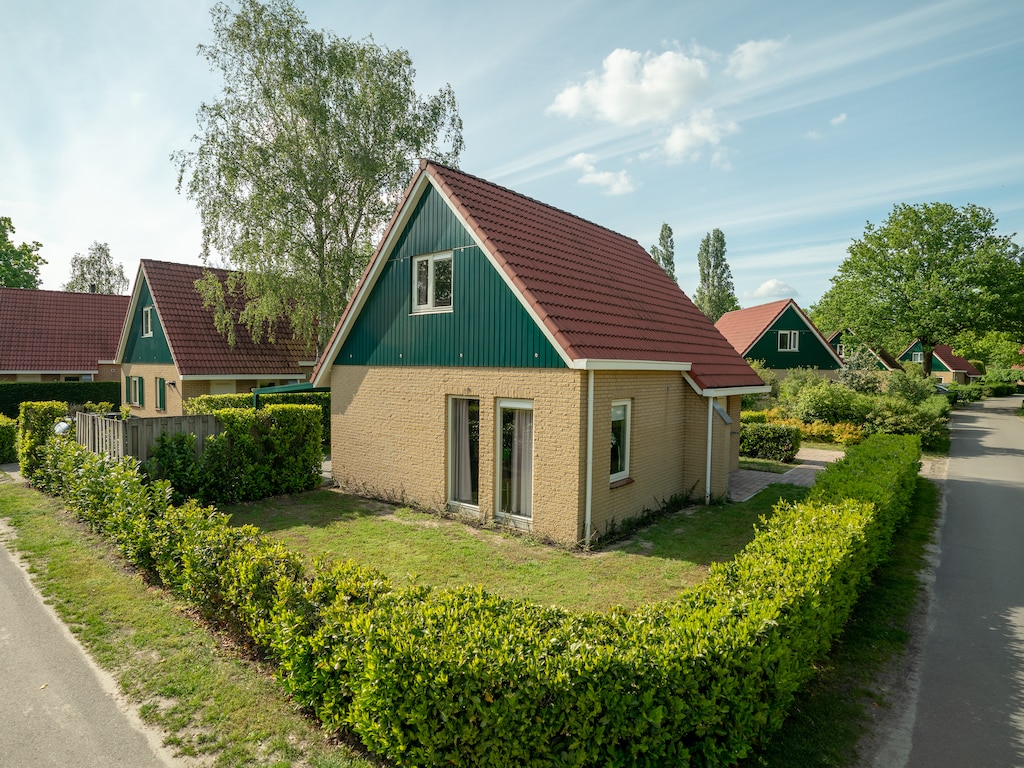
<point>726,391</point>
<point>593,364</point>
<point>232,376</point>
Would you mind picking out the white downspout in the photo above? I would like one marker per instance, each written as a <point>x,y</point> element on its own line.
<point>707,475</point>
<point>588,504</point>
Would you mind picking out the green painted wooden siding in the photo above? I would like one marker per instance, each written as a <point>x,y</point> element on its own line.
<point>908,356</point>
<point>487,326</point>
<point>149,349</point>
<point>811,352</point>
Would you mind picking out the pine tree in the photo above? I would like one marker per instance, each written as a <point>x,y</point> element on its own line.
<point>665,251</point>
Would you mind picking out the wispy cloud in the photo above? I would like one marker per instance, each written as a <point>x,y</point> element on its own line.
<point>634,88</point>
<point>752,57</point>
<point>838,119</point>
<point>610,182</point>
<point>703,129</point>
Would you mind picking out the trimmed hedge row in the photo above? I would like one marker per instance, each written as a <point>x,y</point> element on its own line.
<point>459,676</point>
<point>14,393</point>
<point>213,403</point>
<point>777,442</point>
<point>260,453</point>
<point>8,440</point>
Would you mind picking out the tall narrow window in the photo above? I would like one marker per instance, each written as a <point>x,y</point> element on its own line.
<point>147,321</point>
<point>789,341</point>
<point>620,440</point>
<point>464,451</point>
<point>515,438</point>
<point>432,283</point>
<point>161,394</point>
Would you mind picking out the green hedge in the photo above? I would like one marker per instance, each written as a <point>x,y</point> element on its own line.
<point>35,427</point>
<point>459,676</point>
<point>777,442</point>
<point>8,440</point>
<point>14,393</point>
<point>260,453</point>
<point>212,403</point>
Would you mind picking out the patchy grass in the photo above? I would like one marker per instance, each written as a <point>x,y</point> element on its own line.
<point>656,563</point>
<point>214,705</point>
<point>766,465</point>
<point>833,711</point>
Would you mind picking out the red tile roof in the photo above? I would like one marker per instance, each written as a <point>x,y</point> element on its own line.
<point>599,294</point>
<point>742,327</point>
<point>197,347</point>
<point>954,362</point>
<point>57,331</point>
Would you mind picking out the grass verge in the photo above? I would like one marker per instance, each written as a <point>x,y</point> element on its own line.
<point>215,706</point>
<point>833,712</point>
<point>655,563</point>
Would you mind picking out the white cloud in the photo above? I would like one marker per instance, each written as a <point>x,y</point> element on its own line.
<point>686,140</point>
<point>814,135</point>
<point>773,289</point>
<point>838,119</point>
<point>752,58</point>
<point>635,88</point>
<point>612,183</point>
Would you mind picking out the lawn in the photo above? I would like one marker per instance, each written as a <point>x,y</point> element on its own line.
<point>654,564</point>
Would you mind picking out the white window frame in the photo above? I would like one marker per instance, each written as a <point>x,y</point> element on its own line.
<point>917,357</point>
<point>431,259</point>
<point>135,387</point>
<point>516,521</point>
<point>452,502</point>
<point>841,350</point>
<point>792,341</point>
<point>623,474</point>
<point>147,322</point>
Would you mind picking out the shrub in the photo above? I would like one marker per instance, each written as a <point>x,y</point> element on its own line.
<point>8,440</point>
<point>769,441</point>
<point>831,403</point>
<point>908,387</point>
<point>14,393</point>
<point>897,416</point>
<point>794,383</point>
<point>174,460</point>
<point>35,427</point>
<point>212,403</point>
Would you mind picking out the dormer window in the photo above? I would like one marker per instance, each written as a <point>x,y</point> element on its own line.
<point>147,321</point>
<point>432,283</point>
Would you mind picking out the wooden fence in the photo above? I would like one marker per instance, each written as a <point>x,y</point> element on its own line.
<point>136,437</point>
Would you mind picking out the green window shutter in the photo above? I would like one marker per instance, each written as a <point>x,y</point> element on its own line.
<point>127,389</point>
<point>142,400</point>
<point>161,397</point>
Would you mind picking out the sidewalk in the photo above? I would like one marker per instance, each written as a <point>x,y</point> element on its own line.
<point>746,483</point>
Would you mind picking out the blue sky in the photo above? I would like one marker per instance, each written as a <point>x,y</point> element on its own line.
<point>787,125</point>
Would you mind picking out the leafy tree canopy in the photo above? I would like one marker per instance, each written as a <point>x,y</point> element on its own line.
<point>665,251</point>
<point>96,272</point>
<point>929,272</point>
<point>19,265</point>
<point>301,160</point>
<point>715,294</point>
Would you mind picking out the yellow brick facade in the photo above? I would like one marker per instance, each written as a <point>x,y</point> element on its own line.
<point>390,428</point>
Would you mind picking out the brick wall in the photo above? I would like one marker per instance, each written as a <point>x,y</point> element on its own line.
<point>149,375</point>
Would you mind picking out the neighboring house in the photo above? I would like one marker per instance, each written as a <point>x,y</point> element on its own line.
<point>59,336</point>
<point>840,341</point>
<point>512,362</point>
<point>170,349</point>
<point>780,335</point>
<point>946,366</point>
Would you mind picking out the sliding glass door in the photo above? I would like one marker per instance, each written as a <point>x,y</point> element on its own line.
<point>515,440</point>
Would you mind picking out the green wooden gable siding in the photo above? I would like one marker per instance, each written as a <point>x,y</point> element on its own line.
<point>487,326</point>
<point>812,352</point>
<point>149,349</point>
<point>908,356</point>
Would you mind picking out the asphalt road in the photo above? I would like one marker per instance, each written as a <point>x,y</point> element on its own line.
<point>56,707</point>
<point>965,708</point>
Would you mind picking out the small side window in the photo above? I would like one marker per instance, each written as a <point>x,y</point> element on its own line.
<point>621,412</point>
<point>432,283</point>
<point>147,321</point>
<point>789,341</point>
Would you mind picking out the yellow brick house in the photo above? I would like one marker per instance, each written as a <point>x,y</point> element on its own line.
<point>510,361</point>
<point>170,349</point>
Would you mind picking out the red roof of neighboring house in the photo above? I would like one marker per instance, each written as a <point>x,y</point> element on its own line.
<point>742,327</point>
<point>954,362</point>
<point>58,331</point>
<point>197,347</point>
<point>598,294</point>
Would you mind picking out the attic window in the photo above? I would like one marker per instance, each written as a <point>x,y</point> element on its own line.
<point>432,283</point>
<point>147,321</point>
<point>789,341</point>
<point>917,357</point>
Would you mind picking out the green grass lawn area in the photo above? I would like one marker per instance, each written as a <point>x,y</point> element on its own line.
<point>656,563</point>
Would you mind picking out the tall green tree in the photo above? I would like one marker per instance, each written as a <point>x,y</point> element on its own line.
<point>715,294</point>
<point>96,272</point>
<point>300,161</point>
<point>929,272</point>
<point>19,264</point>
<point>665,251</point>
